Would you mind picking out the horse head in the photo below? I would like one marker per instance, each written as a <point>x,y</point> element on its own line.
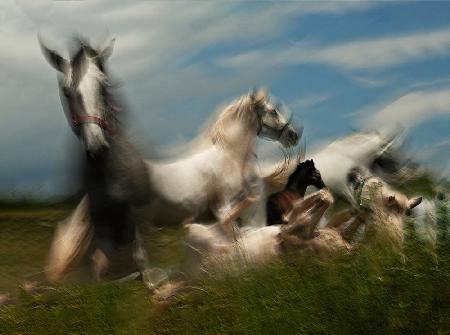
<point>273,124</point>
<point>84,94</point>
<point>304,175</point>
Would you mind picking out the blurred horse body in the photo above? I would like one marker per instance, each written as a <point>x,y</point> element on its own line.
<point>380,208</point>
<point>336,159</point>
<point>281,203</point>
<point>219,166</point>
<point>114,174</point>
<point>209,248</point>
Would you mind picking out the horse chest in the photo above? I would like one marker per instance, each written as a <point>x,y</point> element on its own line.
<point>279,204</point>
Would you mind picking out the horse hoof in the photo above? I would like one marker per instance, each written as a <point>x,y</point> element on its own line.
<point>5,299</point>
<point>164,294</point>
<point>153,277</point>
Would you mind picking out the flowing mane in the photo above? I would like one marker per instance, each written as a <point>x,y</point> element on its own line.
<point>241,109</point>
<point>214,131</point>
<point>277,179</point>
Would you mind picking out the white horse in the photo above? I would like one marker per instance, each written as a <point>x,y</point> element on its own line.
<point>219,169</point>
<point>335,160</point>
<point>115,176</point>
<point>221,164</point>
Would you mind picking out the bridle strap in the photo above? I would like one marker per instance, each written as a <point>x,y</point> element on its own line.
<point>279,131</point>
<point>288,122</point>
<point>260,124</point>
<point>359,190</point>
<point>78,120</point>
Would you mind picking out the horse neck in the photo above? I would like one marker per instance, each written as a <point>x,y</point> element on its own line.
<point>238,133</point>
<point>298,187</point>
<point>242,146</point>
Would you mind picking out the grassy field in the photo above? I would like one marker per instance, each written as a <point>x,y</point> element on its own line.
<point>369,292</point>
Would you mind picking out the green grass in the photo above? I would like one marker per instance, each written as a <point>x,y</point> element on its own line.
<point>25,239</point>
<point>369,292</point>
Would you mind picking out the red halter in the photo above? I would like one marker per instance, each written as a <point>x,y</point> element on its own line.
<point>78,120</point>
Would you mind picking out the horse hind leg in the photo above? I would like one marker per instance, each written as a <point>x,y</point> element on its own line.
<point>316,213</point>
<point>348,233</point>
<point>100,264</point>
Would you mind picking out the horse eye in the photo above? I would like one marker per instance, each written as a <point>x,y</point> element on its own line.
<point>273,112</point>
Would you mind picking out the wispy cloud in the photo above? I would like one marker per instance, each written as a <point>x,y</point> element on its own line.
<point>156,42</point>
<point>411,109</point>
<point>308,101</point>
<point>361,54</point>
<point>370,82</point>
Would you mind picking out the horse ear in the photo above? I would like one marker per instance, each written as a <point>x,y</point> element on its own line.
<point>55,60</point>
<point>259,95</point>
<point>79,64</point>
<point>414,202</point>
<point>108,50</point>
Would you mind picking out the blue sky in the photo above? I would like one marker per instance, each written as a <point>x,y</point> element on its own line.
<point>338,66</point>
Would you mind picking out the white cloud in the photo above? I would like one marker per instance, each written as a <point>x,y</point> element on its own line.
<point>154,41</point>
<point>411,109</point>
<point>356,55</point>
<point>308,101</point>
<point>372,82</point>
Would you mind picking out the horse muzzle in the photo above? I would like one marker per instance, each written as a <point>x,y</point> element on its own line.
<point>290,136</point>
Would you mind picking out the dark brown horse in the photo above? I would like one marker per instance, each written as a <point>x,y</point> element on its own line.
<point>281,203</point>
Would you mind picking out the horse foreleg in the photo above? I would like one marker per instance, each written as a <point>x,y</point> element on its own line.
<point>304,205</point>
<point>229,213</point>
<point>349,232</point>
<point>232,214</point>
<point>70,242</point>
<point>307,213</point>
<point>139,254</point>
<point>340,218</point>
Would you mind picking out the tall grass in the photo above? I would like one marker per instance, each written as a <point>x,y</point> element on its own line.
<point>371,291</point>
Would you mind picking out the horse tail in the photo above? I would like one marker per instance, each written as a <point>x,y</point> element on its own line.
<point>71,241</point>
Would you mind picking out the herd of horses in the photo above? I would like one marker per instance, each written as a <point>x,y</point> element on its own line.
<point>234,211</point>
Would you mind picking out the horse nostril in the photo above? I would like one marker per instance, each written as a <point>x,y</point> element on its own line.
<point>90,154</point>
<point>102,151</point>
<point>98,152</point>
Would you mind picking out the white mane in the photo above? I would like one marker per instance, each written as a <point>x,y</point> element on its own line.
<point>218,130</point>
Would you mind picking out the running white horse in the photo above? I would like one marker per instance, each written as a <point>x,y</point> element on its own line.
<point>218,170</point>
<point>335,160</point>
<point>220,166</point>
<point>115,176</point>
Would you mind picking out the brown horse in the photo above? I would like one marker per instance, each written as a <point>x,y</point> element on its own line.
<point>281,203</point>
